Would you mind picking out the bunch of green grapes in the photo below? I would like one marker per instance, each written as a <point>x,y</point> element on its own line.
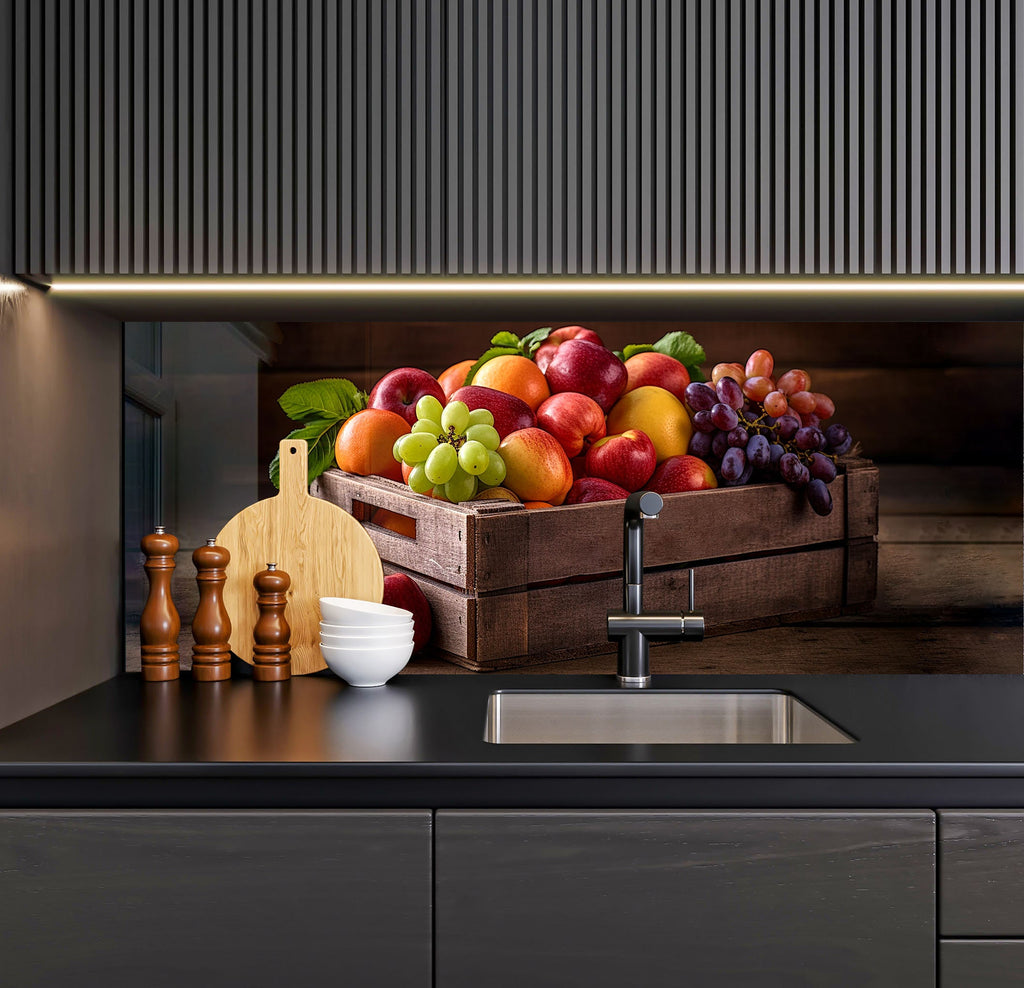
<point>451,450</point>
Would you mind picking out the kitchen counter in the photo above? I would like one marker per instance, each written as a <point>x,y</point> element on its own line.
<point>921,741</point>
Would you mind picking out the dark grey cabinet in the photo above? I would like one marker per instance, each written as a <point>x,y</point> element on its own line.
<point>534,137</point>
<point>982,873</point>
<point>981,963</point>
<point>170,898</point>
<point>609,898</point>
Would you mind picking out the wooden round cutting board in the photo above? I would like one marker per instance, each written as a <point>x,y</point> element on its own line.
<point>322,548</point>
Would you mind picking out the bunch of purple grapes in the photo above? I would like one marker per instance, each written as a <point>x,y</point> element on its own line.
<point>742,442</point>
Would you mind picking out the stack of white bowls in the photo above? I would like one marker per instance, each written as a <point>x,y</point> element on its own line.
<point>362,642</point>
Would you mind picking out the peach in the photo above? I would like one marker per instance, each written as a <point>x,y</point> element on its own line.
<point>537,467</point>
<point>658,369</point>
<point>657,412</point>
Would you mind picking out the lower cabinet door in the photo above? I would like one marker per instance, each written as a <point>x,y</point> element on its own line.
<point>613,898</point>
<point>981,963</point>
<point>175,899</point>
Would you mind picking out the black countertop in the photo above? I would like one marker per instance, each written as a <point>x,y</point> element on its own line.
<point>921,741</point>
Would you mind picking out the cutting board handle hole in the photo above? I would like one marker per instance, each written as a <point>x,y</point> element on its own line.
<point>293,451</point>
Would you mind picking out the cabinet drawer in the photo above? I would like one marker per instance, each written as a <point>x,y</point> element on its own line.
<point>981,963</point>
<point>165,899</point>
<point>981,873</point>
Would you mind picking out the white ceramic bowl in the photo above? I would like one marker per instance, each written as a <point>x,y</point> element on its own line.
<point>374,641</point>
<point>371,631</point>
<point>345,610</point>
<point>361,666</point>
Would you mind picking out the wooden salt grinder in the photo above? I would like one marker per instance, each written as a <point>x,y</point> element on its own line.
<point>211,627</point>
<point>271,651</point>
<point>160,624</point>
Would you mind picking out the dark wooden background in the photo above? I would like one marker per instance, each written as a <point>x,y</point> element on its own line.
<point>939,406</point>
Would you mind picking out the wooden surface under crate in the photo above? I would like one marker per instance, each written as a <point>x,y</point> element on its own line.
<point>510,587</point>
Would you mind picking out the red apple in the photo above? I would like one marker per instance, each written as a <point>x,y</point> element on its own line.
<point>547,349</point>
<point>510,413</point>
<point>579,467</point>
<point>590,369</point>
<point>682,473</point>
<point>399,390</point>
<point>627,459</point>
<point>588,489</point>
<point>403,591</point>
<point>573,419</point>
<point>658,369</point>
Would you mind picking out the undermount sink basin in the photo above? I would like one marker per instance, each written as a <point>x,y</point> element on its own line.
<point>655,717</point>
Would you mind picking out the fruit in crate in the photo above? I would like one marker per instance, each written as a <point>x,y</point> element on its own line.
<point>451,450</point>
<point>537,467</point>
<point>403,591</point>
<point>657,413</point>
<point>515,375</point>
<point>627,460</point>
<point>658,369</point>
<point>587,368</point>
<point>399,390</point>
<point>510,413</point>
<point>556,337</point>
<point>586,490</point>
<point>751,425</point>
<point>454,377</point>
<point>575,420</point>
<point>496,494</point>
<point>365,442</point>
<point>682,473</point>
<point>401,524</point>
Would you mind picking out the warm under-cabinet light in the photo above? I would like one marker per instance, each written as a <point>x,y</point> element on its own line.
<point>719,286</point>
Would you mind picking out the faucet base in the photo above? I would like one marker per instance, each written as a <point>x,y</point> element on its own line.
<point>634,682</point>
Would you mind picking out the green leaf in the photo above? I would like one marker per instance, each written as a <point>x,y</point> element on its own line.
<point>635,348</point>
<point>330,400</point>
<point>320,436</point>
<point>696,374</point>
<point>505,339</point>
<point>531,341</point>
<point>495,351</point>
<point>683,347</point>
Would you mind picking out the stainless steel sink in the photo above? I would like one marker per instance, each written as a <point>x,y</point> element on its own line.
<point>655,717</point>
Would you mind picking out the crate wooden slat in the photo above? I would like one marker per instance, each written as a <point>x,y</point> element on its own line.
<point>511,587</point>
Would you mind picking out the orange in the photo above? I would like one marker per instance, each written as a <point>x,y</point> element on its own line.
<point>364,443</point>
<point>454,377</point>
<point>538,504</point>
<point>517,376</point>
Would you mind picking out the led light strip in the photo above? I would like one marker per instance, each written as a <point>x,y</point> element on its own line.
<point>533,286</point>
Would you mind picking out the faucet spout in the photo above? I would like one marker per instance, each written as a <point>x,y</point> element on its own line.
<point>639,505</point>
<point>632,627</point>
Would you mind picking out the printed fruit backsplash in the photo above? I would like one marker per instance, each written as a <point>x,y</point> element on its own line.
<point>556,417</point>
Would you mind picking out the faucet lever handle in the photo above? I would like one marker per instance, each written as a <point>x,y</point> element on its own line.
<point>691,606</point>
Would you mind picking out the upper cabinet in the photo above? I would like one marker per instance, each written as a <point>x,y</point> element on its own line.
<point>518,136</point>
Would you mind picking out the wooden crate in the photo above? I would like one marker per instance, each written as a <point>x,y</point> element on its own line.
<point>510,587</point>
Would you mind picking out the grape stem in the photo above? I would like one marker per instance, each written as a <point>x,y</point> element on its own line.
<point>450,438</point>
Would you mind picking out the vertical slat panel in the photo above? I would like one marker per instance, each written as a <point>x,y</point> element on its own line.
<point>243,156</point>
<point>518,136</point>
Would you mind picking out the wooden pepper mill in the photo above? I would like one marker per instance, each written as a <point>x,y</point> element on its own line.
<point>211,627</point>
<point>271,651</point>
<point>160,624</point>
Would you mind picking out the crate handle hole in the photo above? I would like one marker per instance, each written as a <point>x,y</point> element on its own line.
<point>393,521</point>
